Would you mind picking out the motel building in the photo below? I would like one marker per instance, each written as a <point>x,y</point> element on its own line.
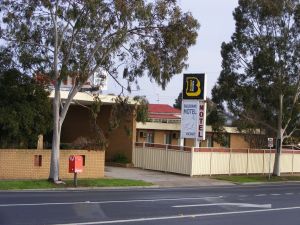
<point>163,127</point>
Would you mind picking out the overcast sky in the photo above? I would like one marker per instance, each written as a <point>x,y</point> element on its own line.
<point>217,25</point>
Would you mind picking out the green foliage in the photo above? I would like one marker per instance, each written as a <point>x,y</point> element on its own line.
<point>141,105</point>
<point>5,59</point>
<point>216,118</point>
<point>151,37</point>
<point>215,115</point>
<point>178,101</point>
<point>98,141</point>
<point>86,143</point>
<point>124,110</point>
<point>25,110</point>
<point>44,184</point>
<point>120,158</point>
<point>261,63</point>
<point>121,113</point>
<point>255,178</point>
<point>108,182</point>
<point>25,184</point>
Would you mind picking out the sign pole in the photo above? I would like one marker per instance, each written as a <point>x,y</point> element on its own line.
<point>75,179</point>
<point>75,166</point>
<point>270,164</point>
<point>270,145</point>
<point>197,142</point>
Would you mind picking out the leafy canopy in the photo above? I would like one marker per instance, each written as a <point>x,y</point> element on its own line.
<point>136,35</point>
<point>262,63</point>
<point>25,110</point>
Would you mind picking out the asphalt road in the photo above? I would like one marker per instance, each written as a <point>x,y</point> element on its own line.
<point>231,205</point>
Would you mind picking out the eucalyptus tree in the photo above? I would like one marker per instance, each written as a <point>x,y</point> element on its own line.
<point>260,78</point>
<point>77,38</point>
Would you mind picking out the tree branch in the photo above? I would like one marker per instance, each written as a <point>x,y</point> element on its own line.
<point>29,43</point>
<point>67,104</point>
<point>291,133</point>
<point>260,122</point>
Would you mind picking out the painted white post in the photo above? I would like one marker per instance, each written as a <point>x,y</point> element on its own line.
<point>167,160</point>
<point>293,162</point>
<point>181,143</point>
<point>247,168</point>
<point>192,157</point>
<point>229,162</point>
<point>143,155</point>
<point>196,143</point>
<point>263,170</point>
<point>270,164</point>
<point>211,152</point>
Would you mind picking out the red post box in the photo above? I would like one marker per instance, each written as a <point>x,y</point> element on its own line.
<point>75,164</point>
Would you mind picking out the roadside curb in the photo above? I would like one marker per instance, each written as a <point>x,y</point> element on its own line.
<point>271,182</point>
<point>82,188</point>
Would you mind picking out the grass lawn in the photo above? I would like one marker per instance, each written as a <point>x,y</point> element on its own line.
<point>43,184</point>
<point>250,178</point>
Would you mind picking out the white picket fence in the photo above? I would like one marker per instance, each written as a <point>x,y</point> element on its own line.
<point>212,161</point>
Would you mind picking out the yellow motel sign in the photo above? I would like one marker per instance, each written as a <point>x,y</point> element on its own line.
<point>194,86</point>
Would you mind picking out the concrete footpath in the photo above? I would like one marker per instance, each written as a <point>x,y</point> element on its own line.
<point>161,179</point>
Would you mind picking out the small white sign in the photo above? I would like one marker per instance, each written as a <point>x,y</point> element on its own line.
<point>189,119</point>
<point>270,143</point>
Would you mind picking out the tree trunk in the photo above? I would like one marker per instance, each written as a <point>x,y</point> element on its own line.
<point>276,170</point>
<point>54,166</point>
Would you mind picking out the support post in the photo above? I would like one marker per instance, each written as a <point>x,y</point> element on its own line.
<point>293,161</point>
<point>181,144</point>
<point>247,168</point>
<point>143,155</point>
<point>211,152</point>
<point>167,160</point>
<point>277,161</point>
<point>270,164</point>
<point>263,167</point>
<point>75,179</point>
<point>192,157</point>
<point>196,143</point>
<point>229,162</point>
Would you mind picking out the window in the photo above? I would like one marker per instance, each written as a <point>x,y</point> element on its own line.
<point>37,160</point>
<point>142,134</point>
<point>150,137</point>
<point>175,135</point>
<point>168,138</point>
<point>83,160</point>
<point>227,140</point>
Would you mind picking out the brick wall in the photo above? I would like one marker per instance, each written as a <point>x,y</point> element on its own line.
<point>24,164</point>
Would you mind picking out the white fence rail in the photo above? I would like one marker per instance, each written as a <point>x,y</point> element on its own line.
<point>212,161</point>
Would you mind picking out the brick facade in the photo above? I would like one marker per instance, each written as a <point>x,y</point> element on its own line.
<point>77,124</point>
<point>35,164</point>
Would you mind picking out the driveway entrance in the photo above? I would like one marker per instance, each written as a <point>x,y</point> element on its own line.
<point>161,179</point>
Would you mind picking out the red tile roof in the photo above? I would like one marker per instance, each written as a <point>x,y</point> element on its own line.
<point>163,111</point>
<point>162,108</point>
<point>164,116</point>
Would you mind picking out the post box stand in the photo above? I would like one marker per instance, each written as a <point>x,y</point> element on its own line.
<point>75,180</point>
<point>75,166</point>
